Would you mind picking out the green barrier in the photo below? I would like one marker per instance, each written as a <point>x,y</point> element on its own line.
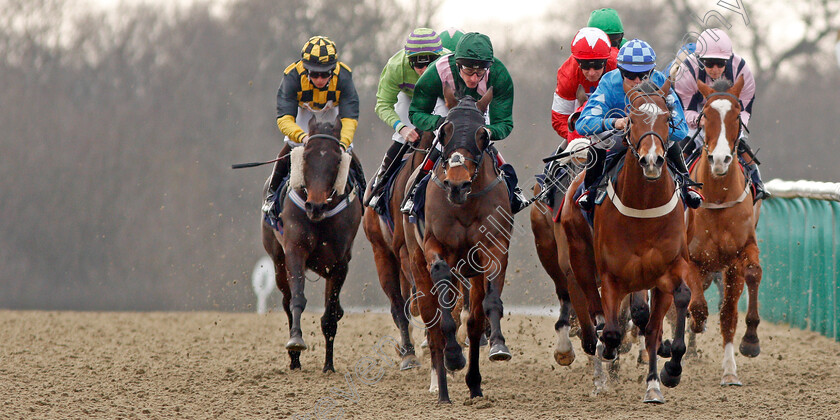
<point>799,240</point>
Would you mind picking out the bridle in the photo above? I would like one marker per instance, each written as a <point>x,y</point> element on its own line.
<point>634,148</point>
<point>476,162</point>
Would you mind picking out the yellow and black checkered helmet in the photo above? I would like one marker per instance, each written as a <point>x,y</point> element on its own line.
<point>319,54</point>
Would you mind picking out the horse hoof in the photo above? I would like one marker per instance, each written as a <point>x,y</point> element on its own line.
<point>654,396</point>
<point>328,369</point>
<point>454,363</point>
<point>409,362</point>
<point>749,349</point>
<point>605,355</point>
<point>730,379</point>
<point>667,379</point>
<point>564,359</point>
<point>499,353</point>
<point>296,344</point>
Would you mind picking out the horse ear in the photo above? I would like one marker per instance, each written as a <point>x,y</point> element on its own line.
<point>704,89</point>
<point>484,102</point>
<point>666,87</point>
<point>337,127</point>
<point>736,88</point>
<point>449,96</point>
<point>312,122</point>
<point>580,95</point>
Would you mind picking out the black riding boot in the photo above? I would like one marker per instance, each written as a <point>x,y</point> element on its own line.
<point>759,193</point>
<point>280,172</point>
<point>593,173</point>
<point>690,197</point>
<point>377,183</point>
<point>408,200</point>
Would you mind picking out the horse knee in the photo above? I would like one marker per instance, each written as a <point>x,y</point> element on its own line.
<point>640,315</point>
<point>682,295</point>
<point>439,271</point>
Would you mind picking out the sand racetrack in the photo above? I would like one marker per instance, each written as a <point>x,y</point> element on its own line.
<point>233,366</point>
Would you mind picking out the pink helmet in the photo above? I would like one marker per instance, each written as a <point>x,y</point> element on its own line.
<point>714,43</point>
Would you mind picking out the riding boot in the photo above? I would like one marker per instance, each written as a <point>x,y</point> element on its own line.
<point>593,174</point>
<point>759,193</point>
<point>428,165</point>
<point>377,183</point>
<point>690,196</point>
<point>280,172</point>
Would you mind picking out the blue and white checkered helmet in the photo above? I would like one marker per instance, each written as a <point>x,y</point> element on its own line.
<point>636,56</point>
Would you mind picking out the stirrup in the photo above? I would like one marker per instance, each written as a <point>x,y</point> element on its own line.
<point>406,208</point>
<point>760,193</point>
<point>268,203</point>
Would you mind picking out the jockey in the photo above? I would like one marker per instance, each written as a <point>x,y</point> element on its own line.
<point>471,70</point>
<point>608,21</point>
<point>315,82</point>
<point>606,110</point>
<point>591,58</point>
<point>393,96</point>
<point>712,60</point>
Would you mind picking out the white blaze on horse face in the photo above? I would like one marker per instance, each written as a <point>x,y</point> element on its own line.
<point>651,110</point>
<point>721,151</point>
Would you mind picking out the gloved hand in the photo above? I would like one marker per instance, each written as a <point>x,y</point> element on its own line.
<point>409,134</point>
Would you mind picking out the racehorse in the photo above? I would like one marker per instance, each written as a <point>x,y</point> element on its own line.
<point>320,219</point>
<point>638,241</point>
<point>466,204</point>
<point>391,255</point>
<point>722,234</point>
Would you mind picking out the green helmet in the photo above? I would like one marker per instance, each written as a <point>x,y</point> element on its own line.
<point>474,50</point>
<point>606,20</point>
<point>450,37</point>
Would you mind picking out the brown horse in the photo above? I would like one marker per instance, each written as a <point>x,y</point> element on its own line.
<point>467,227</point>
<point>320,216</point>
<point>638,241</point>
<point>391,255</point>
<point>722,234</point>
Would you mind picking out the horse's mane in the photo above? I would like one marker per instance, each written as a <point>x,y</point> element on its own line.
<point>721,85</point>
<point>647,86</point>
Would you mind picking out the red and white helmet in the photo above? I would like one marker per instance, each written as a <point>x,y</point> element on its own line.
<point>591,44</point>
<point>714,43</point>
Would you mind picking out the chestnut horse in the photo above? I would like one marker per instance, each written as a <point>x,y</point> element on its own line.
<point>722,234</point>
<point>391,255</point>
<point>320,216</point>
<point>638,241</point>
<point>466,204</point>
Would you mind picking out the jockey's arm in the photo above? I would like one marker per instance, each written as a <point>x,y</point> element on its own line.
<point>597,116</point>
<point>747,94</point>
<point>386,96</point>
<point>679,127</point>
<point>348,106</point>
<point>686,88</point>
<point>428,89</point>
<point>287,107</point>
<point>501,107</point>
<point>564,102</point>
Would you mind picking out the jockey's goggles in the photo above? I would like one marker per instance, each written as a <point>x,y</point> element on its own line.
<point>320,74</point>
<point>592,64</point>
<point>633,75</point>
<point>473,71</point>
<point>713,62</point>
<point>420,61</point>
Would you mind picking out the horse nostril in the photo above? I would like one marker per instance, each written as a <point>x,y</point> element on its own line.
<point>308,206</point>
<point>727,159</point>
<point>447,184</point>
<point>660,161</point>
<point>710,158</point>
<point>643,160</point>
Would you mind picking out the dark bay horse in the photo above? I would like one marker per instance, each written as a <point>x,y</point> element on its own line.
<point>722,234</point>
<point>638,241</point>
<point>467,232</point>
<point>321,217</point>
